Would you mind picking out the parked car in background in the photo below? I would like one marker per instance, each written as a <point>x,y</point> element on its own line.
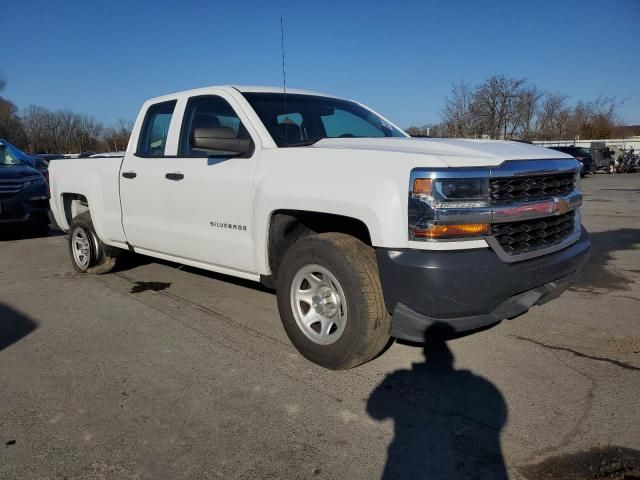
<point>603,157</point>
<point>42,166</point>
<point>24,192</point>
<point>582,155</point>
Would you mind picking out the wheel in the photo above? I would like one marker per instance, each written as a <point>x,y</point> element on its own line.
<point>611,168</point>
<point>88,253</point>
<point>330,300</point>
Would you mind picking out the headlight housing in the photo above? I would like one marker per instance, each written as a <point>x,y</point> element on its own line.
<point>35,181</point>
<point>451,204</point>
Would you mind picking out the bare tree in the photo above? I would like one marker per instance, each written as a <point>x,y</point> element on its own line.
<point>11,127</point>
<point>495,104</point>
<point>526,110</point>
<point>456,114</point>
<point>551,116</point>
<point>503,107</point>
<point>116,137</point>
<point>62,131</point>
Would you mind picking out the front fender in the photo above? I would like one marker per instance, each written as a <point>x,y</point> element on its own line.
<point>374,199</point>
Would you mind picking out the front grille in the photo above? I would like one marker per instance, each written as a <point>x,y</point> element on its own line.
<point>8,188</point>
<point>528,235</point>
<point>531,188</point>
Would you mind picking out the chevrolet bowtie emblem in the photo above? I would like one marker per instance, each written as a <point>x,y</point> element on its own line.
<point>560,206</point>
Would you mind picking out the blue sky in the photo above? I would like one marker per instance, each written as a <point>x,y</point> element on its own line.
<point>105,58</point>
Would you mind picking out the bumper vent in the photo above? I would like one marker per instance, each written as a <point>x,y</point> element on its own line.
<point>529,235</point>
<point>531,188</point>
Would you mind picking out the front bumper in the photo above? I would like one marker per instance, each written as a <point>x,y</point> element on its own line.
<point>24,211</point>
<point>466,290</point>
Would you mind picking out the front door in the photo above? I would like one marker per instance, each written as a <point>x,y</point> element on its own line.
<point>208,195</point>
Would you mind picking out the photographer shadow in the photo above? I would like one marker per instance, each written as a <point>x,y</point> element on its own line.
<point>447,422</point>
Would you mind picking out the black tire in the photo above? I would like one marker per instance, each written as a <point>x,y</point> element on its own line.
<point>354,265</point>
<point>100,256</point>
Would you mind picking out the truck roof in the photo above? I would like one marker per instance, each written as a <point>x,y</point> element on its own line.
<point>240,88</point>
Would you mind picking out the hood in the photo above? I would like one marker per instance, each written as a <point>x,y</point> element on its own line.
<point>451,152</point>
<point>16,172</point>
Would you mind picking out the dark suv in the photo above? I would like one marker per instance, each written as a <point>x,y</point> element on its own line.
<point>24,193</point>
<point>581,154</point>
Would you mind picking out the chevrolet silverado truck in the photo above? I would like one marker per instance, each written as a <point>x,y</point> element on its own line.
<point>365,233</point>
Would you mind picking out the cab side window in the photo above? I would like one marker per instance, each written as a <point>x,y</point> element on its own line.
<point>153,138</point>
<point>205,112</point>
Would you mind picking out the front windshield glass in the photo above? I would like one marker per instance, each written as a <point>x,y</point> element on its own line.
<point>295,120</point>
<point>583,151</point>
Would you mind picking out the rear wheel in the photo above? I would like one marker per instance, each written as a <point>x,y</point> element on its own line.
<point>330,300</point>
<point>88,253</point>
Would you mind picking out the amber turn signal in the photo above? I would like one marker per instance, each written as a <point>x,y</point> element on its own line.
<point>449,231</point>
<point>422,186</point>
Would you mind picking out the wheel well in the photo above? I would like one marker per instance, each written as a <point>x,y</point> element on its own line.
<point>288,226</point>
<point>74,204</point>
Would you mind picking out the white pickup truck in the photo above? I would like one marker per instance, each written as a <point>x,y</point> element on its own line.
<point>365,233</point>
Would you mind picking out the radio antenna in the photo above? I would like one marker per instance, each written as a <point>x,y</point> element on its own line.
<point>284,80</point>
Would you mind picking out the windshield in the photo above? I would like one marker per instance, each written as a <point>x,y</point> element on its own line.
<point>583,152</point>
<point>295,120</point>
<point>10,155</point>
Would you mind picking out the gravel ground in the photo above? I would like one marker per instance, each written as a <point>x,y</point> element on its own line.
<point>160,371</point>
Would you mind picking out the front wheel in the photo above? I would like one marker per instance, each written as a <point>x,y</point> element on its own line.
<point>330,300</point>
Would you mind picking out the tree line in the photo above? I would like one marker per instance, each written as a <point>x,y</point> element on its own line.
<point>512,108</point>
<point>40,130</point>
<point>500,108</point>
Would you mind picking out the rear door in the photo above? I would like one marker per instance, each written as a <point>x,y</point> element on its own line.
<point>208,196</point>
<point>142,180</point>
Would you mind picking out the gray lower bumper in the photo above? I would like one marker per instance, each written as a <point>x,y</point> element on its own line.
<point>410,325</point>
<point>466,290</point>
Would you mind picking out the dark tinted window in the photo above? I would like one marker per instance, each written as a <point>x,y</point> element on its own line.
<point>208,111</point>
<point>10,155</point>
<point>155,129</point>
<point>294,119</point>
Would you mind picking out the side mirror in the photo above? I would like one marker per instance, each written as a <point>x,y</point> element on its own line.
<point>222,140</point>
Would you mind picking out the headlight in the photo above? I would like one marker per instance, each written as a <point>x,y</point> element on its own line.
<point>34,182</point>
<point>449,206</point>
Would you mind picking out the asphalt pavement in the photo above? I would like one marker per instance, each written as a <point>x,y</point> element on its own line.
<point>160,371</point>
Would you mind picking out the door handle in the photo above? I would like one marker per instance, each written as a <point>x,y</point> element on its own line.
<point>174,176</point>
<point>129,174</point>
